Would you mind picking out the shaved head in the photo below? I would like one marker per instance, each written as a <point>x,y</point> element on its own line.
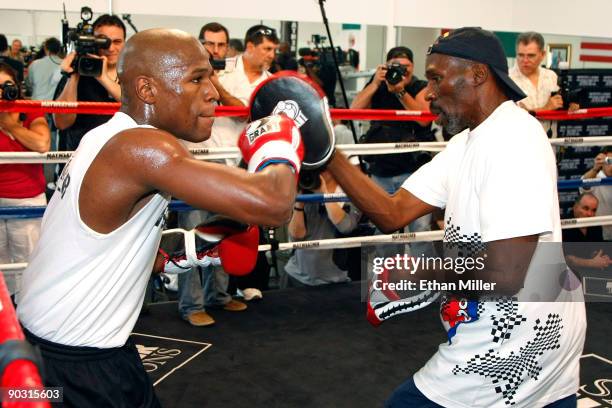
<point>165,83</point>
<point>156,53</point>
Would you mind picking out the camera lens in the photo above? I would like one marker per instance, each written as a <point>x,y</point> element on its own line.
<point>90,66</point>
<point>309,180</point>
<point>10,92</point>
<point>394,75</point>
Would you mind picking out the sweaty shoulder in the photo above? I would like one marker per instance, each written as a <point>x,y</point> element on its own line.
<point>143,148</point>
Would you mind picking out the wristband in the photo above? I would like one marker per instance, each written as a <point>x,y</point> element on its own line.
<point>400,94</point>
<point>298,209</point>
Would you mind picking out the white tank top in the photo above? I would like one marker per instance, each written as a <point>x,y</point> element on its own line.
<point>83,288</point>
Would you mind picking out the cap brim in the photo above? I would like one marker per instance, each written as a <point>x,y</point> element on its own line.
<point>512,89</point>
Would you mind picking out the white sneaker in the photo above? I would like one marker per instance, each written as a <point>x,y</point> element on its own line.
<point>172,282</point>
<point>252,294</point>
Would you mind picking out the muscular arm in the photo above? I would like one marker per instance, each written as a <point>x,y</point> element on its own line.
<point>140,162</point>
<point>388,212</point>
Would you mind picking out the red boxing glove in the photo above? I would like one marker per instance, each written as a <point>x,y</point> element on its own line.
<point>237,246</point>
<point>269,140</point>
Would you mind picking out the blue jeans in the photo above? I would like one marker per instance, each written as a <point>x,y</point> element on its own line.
<point>408,395</point>
<point>200,287</point>
<point>392,184</point>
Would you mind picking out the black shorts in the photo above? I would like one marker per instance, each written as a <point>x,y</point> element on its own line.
<point>93,377</point>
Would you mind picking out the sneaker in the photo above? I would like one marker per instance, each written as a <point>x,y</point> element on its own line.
<point>234,306</point>
<point>251,294</point>
<point>200,318</point>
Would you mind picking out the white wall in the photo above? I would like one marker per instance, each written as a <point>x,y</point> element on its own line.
<point>589,18</point>
<point>418,40</point>
<point>391,22</point>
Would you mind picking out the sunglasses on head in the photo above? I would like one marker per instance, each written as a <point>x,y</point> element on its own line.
<point>266,31</point>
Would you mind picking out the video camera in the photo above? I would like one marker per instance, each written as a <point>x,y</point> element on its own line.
<point>319,55</point>
<point>30,54</point>
<point>10,91</point>
<point>395,72</point>
<point>83,41</point>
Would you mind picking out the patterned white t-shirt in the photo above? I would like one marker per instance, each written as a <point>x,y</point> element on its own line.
<point>499,181</point>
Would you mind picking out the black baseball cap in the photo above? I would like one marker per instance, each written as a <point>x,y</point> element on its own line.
<point>400,52</point>
<point>476,44</point>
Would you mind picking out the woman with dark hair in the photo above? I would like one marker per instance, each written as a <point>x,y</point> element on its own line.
<point>20,184</point>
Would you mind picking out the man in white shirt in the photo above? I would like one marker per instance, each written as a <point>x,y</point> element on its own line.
<point>538,83</point>
<point>241,76</point>
<point>519,343</point>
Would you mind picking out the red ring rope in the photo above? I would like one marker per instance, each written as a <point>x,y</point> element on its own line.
<point>109,108</point>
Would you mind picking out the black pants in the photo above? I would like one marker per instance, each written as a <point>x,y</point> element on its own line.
<point>93,377</point>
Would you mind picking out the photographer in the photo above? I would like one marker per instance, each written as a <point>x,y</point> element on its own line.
<point>21,185</point>
<point>101,88</point>
<point>394,86</point>
<point>215,37</point>
<point>314,221</point>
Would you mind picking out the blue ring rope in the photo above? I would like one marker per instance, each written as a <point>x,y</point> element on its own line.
<point>177,205</point>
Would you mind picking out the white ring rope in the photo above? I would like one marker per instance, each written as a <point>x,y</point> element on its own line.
<point>400,238</point>
<point>219,153</point>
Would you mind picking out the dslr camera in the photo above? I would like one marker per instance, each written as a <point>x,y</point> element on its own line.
<point>217,64</point>
<point>82,40</point>
<point>395,72</point>
<point>569,94</point>
<point>10,91</point>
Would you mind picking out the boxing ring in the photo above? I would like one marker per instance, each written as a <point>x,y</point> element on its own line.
<point>308,346</point>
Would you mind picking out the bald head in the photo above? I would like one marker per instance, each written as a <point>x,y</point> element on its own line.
<point>165,83</point>
<point>157,53</point>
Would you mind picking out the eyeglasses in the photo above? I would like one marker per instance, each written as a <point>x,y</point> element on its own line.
<point>527,56</point>
<point>213,44</point>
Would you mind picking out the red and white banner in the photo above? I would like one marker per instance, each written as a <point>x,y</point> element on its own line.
<point>596,51</point>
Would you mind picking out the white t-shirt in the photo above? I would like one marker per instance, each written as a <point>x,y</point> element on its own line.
<point>496,182</point>
<point>82,287</point>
